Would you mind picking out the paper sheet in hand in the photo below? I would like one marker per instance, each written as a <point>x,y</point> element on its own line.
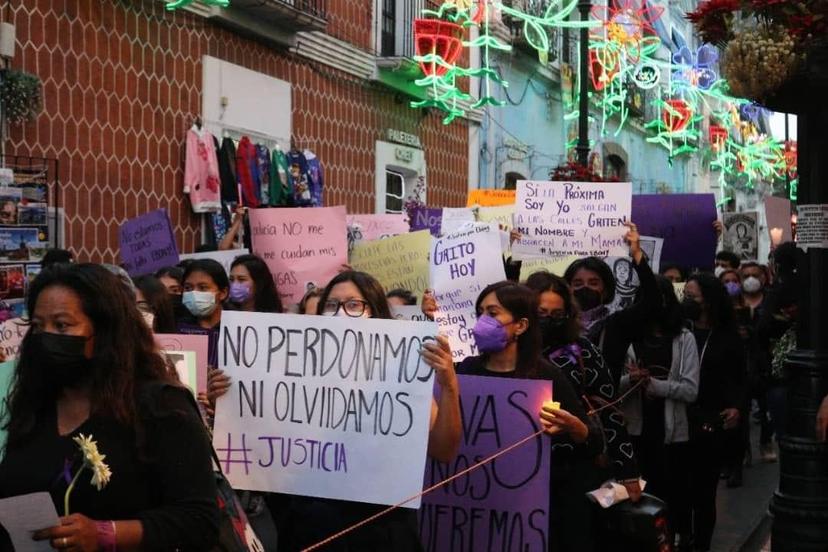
<point>22,515</point>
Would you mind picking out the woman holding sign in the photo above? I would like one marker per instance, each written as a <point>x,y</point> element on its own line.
<point>507,334</point>
<point>307,521</point>
<point>89,371</point>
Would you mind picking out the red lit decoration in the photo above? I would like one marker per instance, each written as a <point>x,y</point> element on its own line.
<point>603,66</point>
<point>438,38</point>
<point>790,158</point>
<point>718,135</point>
<point>676,114</point>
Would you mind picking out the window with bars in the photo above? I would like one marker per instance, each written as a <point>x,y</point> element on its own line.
<point>394,191</point>
<point>388,24</point>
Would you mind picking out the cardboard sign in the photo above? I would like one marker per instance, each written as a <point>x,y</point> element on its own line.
<point>324,406</point>
<point>741,234</point>
<point>684,221</point>
<point>462,265</point>
<point>198,344</point>
<point>626,278</point>
<point>561,219</point>
<point>812,226</point>
<point>147,243</point>
<point>503,505</point>
<point>185,367</point>
<point>778,218</point>
<point>427,218</point>
<point>12,333</point>
<point>502,216</point>
<point>397,262</point>
<point>224,258</point>
<point>490,198</point>
<point>304,248</point>
<point>454,219</point>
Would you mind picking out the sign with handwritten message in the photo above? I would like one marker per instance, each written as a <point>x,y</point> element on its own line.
<point>505,504</point>
<point>490,198</point>
<point>560,219</point>
<point>556,266</point>
<point>304,248</point>
<point>321,406</point>
<point>455,218</point>
<point>12,332</point>
<point>376,227</point>
<point>147,243</point>
<point>503,216</point>
<point>408,312</point>
<point>427,218</point>
<point>398,262</point>
<point>462,264</point>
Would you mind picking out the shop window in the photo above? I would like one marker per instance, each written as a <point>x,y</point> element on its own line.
<point>394,191</point>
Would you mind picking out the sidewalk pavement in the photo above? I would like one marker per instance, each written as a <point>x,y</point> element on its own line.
<point>742,510</point>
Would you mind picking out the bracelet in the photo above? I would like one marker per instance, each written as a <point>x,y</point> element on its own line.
<point>625,481</point>
<point>106,535</point>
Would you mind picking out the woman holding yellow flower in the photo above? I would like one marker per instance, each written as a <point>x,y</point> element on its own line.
<point>95,419</point>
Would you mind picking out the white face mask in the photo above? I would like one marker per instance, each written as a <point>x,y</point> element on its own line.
<point>149,319</point>
<point>200,303</point>
<point>752,284</point>
<point>718,271</point>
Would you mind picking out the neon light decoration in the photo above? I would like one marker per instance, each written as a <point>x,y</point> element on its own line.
<point>440,37</point>
<point>697,69</point>
<point>176,4</point>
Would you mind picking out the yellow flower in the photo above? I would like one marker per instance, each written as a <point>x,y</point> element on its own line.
<point>100,475</point>
<point>93,459</point>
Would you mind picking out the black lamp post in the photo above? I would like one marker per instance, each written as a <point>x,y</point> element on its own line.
<point>800,505</point>
<point>584,7</point>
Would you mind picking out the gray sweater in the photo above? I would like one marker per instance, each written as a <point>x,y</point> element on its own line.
<point>678,390</point>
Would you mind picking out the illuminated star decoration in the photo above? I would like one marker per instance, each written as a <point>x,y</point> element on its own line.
<point>176,4</point>
<point>440,34</point>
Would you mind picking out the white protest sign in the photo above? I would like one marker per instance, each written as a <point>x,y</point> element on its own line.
<point>224,258</point>
<point>12,332</point>
<point>462,264</point>
<point>412,313</point>
<point>559,219</point>
<point>812,226</point>
<point>329,407</point>
<point>454,218</point>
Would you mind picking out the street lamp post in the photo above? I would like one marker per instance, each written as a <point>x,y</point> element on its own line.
<point>800,505</point>
<point>584,7</point>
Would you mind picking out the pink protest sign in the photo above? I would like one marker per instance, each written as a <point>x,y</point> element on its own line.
<point>304,247</point>
<point>199,344</point>
<point>505,504</point>
<point>376,227</point>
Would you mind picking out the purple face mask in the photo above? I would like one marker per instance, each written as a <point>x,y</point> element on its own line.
<point>490,335</point>
<point>239,292</point>
<point>733,288</point>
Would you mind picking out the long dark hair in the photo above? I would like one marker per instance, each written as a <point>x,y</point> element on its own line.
<point>368,286</point>
<point>599,267</point>
<point>521,302</point>
<point>124,355</point>
<point>715,297</point>
<point>668,318</point>
<point>267,297</point>
<point>543,281</point>
<point>156,296</point>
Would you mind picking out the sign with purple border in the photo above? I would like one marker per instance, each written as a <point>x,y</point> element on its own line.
<point>147,243</point>
<point>427,218</point>
<point>503,505</point>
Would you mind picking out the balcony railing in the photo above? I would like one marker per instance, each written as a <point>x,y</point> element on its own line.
<point>398,40</point>
<point>536,8</point>
<point>299,15</point>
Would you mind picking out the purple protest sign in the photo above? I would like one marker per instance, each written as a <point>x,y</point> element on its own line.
<point>147,243</point>
<point>427,218</point>
<point>503,505</point>
<point>685,221</point>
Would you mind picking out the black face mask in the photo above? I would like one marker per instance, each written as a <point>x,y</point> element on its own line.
<point>553,330</point>
<point>587,298</point>
<point>691,309</point>
<point>62,359</point>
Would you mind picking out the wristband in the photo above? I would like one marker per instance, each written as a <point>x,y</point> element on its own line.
<point>106,535</point>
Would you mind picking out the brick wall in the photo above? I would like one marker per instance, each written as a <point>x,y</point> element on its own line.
<point>122,81</point>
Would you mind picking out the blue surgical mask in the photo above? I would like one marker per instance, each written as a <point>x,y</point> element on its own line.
<point>200,303</point>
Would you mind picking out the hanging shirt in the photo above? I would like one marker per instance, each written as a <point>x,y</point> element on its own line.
<point>246,171</point>
<point>201,173</point>
<point>301,178</point>
<point>227,171</point>
<point>263,167</point>
<point>281,185</point>
<point>315,178</point>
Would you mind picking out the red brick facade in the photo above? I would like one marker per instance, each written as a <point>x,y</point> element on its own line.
<point>122,83</point>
